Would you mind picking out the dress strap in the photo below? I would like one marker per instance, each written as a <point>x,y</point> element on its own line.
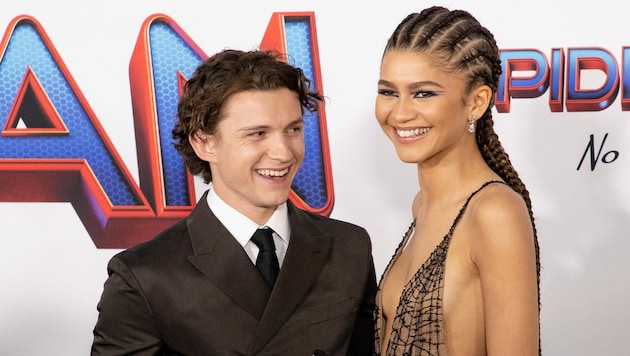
<point>463,208</point>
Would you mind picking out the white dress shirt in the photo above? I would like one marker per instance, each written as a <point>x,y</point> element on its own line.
<point>242,227</point>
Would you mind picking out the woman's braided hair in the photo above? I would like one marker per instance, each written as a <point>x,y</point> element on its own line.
<point>458,43</point>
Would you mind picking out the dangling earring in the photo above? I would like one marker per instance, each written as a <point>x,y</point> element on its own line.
<point>471,128</point>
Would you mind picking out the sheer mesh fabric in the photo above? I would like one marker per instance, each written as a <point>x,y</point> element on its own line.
<point>417,328</point>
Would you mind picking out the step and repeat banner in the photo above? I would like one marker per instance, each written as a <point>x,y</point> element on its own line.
<point>88,94</point>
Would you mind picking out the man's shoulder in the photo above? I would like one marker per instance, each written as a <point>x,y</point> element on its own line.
<point>327,224</point>
<point>165,244</point>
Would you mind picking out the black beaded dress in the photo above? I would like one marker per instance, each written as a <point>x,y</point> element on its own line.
<point>417,328</point>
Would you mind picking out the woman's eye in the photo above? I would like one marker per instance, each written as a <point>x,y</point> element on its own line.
<point>424,94</point>
<point>386,92</point>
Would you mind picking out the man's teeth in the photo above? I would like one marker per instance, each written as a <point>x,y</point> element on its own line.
<point>414,132</point>
<point>270,173</point>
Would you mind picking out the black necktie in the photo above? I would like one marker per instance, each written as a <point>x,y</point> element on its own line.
<point>267,261</point>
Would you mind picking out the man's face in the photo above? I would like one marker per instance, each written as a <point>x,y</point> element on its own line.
<point>256,151</point>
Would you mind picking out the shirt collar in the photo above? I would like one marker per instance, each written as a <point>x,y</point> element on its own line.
<point>242,227</point>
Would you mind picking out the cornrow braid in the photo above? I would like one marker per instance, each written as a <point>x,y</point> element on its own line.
<point>498,160</point>
<point>406,35</point>
<point>410,22</point>
<point>460,44</point>
<point>475,30</point>
<point>446,21</point>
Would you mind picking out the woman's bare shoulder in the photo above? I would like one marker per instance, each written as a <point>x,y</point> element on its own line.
<point>499,217</point>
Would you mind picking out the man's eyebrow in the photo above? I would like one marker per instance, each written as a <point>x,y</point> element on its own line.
<point>297,121</point>
<point>254,128</point>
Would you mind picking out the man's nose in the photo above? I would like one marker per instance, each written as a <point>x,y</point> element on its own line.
<point>279,149</point>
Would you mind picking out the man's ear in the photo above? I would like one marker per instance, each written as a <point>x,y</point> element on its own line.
<point>203,145</point>
<point>480,100</point>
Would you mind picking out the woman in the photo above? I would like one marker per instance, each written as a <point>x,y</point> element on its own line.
<point>464,280</point>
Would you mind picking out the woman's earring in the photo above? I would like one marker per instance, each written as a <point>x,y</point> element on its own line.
<point>471,128</point>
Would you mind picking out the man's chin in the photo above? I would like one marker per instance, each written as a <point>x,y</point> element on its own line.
<point>279,201</point>
<point>273,200</point>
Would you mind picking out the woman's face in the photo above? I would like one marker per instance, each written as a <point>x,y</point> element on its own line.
<point>421,108</point>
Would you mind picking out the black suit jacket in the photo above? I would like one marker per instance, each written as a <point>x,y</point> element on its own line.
<point>192,290</point>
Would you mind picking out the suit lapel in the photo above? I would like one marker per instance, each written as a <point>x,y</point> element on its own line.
<point>222,259</point>
<point>307,253</point>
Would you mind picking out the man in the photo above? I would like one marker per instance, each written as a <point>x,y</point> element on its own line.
<point>199,287</point>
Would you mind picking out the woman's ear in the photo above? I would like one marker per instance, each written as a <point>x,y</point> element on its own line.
<point>202,144</point>
<point>480,100</point>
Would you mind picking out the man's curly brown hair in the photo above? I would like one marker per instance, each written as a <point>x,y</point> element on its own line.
<point>218,78</point>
